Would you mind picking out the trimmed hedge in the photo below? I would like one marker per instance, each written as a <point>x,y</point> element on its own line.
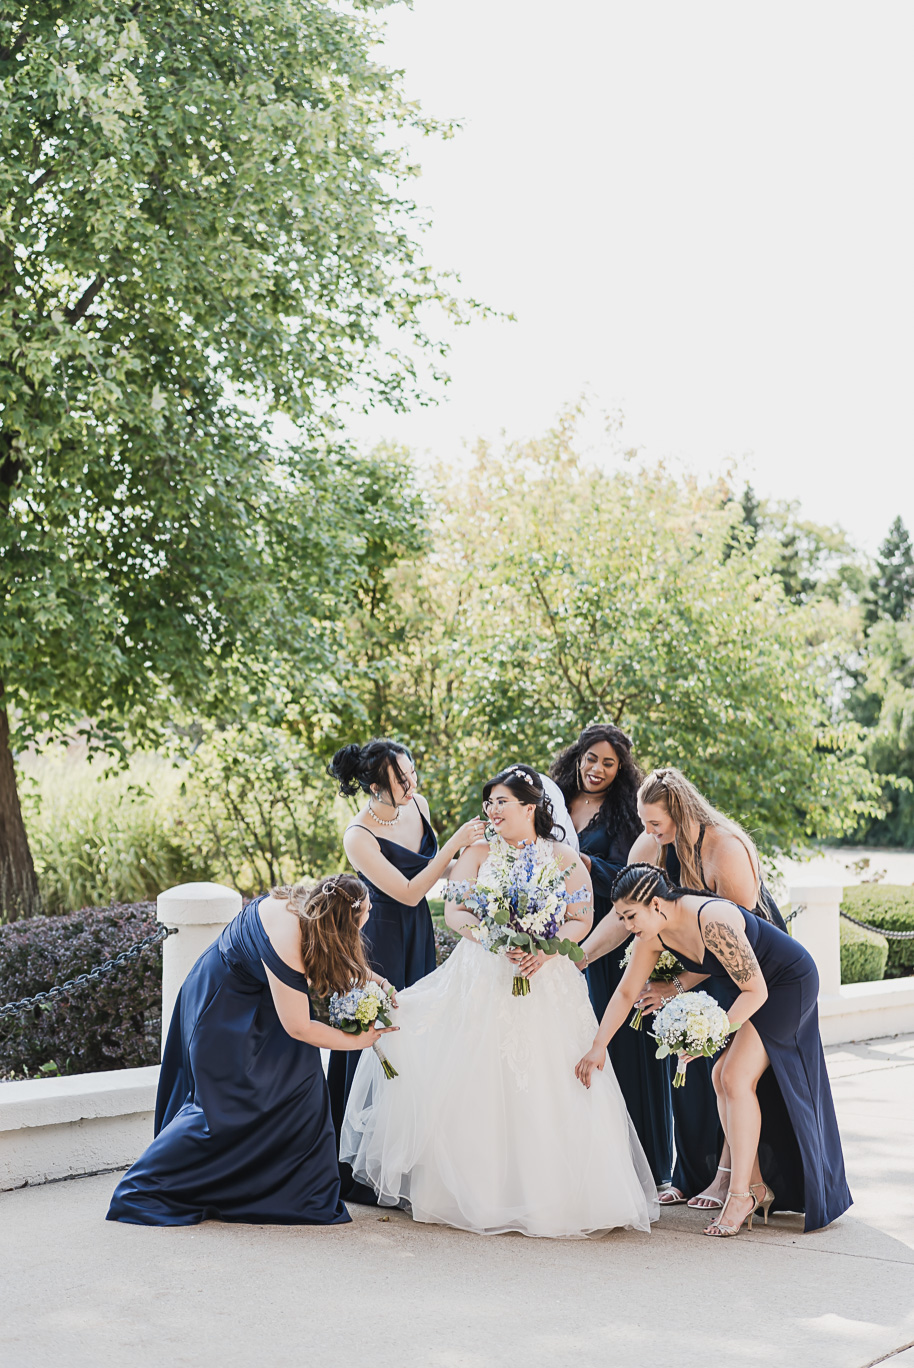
<point>863,954</point>
<point>891,908</point>
<point>114,1023</point>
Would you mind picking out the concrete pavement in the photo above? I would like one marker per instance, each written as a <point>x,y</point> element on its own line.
<point>385,1292</point>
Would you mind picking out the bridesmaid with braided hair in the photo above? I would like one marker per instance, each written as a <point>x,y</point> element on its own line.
<point>770,1079</point>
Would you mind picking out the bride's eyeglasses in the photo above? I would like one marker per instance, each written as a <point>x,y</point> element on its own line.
<point>498,804</point>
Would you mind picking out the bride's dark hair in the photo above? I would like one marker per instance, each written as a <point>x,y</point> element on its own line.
<point>527,787</point>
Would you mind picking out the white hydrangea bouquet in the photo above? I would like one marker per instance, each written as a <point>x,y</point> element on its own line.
<point>358,1010</point>
<point>692,1024</point>
<point>665,970</point>
<point>521,900</point>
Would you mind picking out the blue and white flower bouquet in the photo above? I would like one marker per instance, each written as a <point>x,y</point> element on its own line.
<point>521,902</point>
<point>360,1009</point>
<point>665,970</point>
<point>692,1024</point>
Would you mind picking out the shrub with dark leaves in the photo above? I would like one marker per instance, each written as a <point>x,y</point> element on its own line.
<point>112,1023</point>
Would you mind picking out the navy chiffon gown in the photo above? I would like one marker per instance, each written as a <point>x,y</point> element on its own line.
<point>697,1130</point>
<point>643,1078</point>
<point>400,945</point>
<point>242,1128</point>
<point>800,1149</point>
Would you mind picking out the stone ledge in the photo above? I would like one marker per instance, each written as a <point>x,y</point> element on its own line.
<point>77,1097</point>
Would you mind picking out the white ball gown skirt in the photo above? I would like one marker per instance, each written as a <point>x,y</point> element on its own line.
<point>486,1127</point>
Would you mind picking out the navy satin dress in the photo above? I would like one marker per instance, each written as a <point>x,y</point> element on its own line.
<point>643,1078</point>
<point>242,1128</point>
<point>696,1122</point>
<point>800,1149</point>
<point>400,945</point>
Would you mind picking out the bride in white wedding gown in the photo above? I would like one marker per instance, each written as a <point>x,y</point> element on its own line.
<point>486,1127</point>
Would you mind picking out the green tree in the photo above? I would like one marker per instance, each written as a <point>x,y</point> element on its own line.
<point>883,700</point>
<point>202,224</point>
<point>891,588</point>
<point>559,593</point>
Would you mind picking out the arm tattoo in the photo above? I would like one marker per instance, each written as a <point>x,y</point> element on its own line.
<point>733,950</point>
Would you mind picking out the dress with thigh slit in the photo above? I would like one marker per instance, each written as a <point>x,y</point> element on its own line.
<point>800,1151</point>
<point>696,1125</point>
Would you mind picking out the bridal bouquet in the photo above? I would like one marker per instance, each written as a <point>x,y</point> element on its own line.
<point>360,1009</point>
<point>692,1024</point>
<point>521,904</point>
<point>665,970</point>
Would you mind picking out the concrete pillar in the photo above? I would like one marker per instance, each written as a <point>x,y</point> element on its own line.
<point>200,911</point>
<point>817,929</point>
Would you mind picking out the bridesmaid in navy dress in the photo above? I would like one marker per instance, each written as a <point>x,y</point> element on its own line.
<point>392,845</point>
<point>599,780</point>
<point>699,848</point>
<point>770,1079</point>
<point>242,1127</point>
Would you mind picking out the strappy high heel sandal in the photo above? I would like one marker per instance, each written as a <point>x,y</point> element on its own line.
<point>670,1196</point>
<point>702,1203</point>
<point>721,1231</point>
<point>764,1206</point>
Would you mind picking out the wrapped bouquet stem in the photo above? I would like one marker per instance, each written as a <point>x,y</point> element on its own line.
<point>360,1009</point>
<point>521,900</point>
<point>665,970</point>
<point>692,1024</point>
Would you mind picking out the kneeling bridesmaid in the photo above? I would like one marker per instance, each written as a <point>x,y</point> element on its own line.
<point>770,1079</point>
<point>242,1127</point>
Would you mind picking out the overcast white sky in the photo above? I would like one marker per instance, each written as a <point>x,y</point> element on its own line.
<point>700,212</point>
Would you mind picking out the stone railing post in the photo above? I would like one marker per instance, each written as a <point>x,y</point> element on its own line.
<point>817,928</point>
<point>200,911</point>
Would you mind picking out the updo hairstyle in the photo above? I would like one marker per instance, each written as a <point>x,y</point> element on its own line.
<point>527,787</point>
<point>639,883</point>
<point>331,943</point>
<point>363,767</point>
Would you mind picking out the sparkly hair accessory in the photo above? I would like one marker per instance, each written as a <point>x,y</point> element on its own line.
<point>516,769</point>
<point>333,886</point>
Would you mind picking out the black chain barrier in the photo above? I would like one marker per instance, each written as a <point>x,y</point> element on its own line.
<point>878,930</point>
<point>93,976</point>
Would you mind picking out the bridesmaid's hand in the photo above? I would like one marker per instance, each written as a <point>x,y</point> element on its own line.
<point>373,1034</point>
<point>595,1058</point>
<point>654,995</point>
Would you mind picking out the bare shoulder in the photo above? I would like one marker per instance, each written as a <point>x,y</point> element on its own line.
<point>471,861</point>
<point>282,927</point>
<point>721,915</point>
<point>358,837</point>
<point>565,856</point>
<point>422,804</point>
<point>644,851</point>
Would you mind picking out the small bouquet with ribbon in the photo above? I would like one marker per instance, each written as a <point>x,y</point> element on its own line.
<point>692,1024</point>
<point>665,970</point>
<point>521,900</point>
<point>359,1010</point>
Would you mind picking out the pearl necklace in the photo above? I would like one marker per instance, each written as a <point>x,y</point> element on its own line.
<point>384,821</point>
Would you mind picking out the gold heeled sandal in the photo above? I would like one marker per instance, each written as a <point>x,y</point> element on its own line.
<point>721,1231</point>
<point>702,1203</point>
<point>764,1206</point>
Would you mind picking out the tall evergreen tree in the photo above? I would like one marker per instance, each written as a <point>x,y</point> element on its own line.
<point>891,591</point>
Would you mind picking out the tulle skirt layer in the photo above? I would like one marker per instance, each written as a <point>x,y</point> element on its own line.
<point>486,1127</point>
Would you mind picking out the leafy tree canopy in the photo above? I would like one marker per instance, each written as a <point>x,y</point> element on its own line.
<point>202,224</point>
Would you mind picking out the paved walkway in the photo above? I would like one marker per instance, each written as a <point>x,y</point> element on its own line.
<point>385,1293</point>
